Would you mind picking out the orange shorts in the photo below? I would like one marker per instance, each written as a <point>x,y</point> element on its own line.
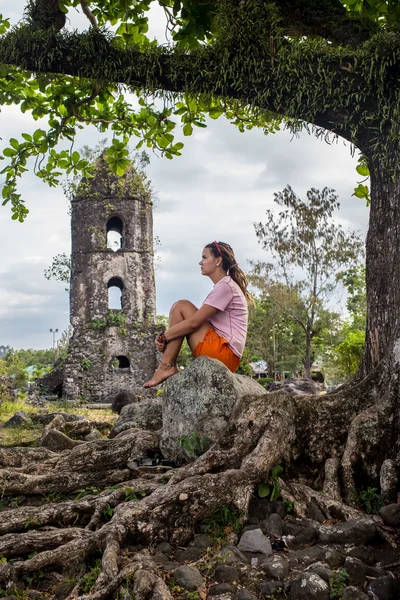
<point>217,347</point>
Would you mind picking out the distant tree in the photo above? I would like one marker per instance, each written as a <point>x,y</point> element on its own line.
<point>354,281</point>
<point>308,248</point>
<point>60,268</point>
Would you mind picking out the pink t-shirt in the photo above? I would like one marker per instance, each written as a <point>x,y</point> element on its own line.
<point>230,322</point>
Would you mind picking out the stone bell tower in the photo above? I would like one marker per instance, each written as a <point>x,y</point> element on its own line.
<point>112,293</point>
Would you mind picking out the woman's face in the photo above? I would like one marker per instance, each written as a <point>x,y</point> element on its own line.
<point>208,263</point>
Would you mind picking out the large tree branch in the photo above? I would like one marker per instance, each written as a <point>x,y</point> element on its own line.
<point>289,85</point>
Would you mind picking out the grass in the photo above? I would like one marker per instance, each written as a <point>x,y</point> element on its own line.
<point>29,433</point>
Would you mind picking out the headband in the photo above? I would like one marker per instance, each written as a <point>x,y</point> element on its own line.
<point>218,248</point>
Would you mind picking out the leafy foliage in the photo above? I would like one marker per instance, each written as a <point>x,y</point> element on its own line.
<point>337,583</point>
<point>330,64</point>
<point>370,500</point>
<point>271,490</point>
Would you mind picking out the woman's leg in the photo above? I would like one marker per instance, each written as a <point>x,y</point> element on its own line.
<point>181,310</point>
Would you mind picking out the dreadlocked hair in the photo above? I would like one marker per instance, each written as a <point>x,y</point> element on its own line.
<point>223,250</point>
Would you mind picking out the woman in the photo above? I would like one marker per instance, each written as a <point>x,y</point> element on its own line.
<point>218,329</point>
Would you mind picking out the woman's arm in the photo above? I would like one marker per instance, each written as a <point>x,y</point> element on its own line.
<point>191,324</point>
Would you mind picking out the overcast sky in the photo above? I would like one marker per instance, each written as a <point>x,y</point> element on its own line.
<point>223,182</point>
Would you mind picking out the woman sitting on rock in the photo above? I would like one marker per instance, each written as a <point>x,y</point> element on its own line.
<point>218,329</point>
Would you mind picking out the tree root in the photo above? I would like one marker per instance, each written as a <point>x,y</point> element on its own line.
<point>263,431</point>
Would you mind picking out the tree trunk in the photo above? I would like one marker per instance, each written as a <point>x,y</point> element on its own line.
<point>307,360</point>
<point>383,272</point>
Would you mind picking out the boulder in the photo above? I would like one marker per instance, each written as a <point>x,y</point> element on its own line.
<point>188,577</point>
<point>275,566</point>
<point>309,586</point>
<point>296,386</point>
<point>197,405</point>
<point>146,414</point>
<point>125,397</point>
<point>384,588</point>
<point>356,570</point>
<point>19,419</point>
<point>272,526</point>
<point>255,541</point>
<point>351,532</point>
<point>390,514</point>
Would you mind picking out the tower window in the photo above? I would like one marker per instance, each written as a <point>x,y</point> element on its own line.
<point>114,233</point>
<point>120,362</point>
<point>115,287</point>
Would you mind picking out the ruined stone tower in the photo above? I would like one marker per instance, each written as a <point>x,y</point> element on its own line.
<point>112,293</point>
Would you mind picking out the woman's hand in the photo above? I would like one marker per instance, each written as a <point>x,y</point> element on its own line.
<point>160,342</point>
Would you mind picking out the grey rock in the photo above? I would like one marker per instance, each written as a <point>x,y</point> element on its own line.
<point>275,566</point>
<point>315,513</point>
<point>226,574</point>
<point>202,541</point>
<point>251,527</point>
<point>272,526</point>
<point>296,386</point>
<point>19,418</point>
<point>160,558</point>
<point>230,555</point>
<point>306,557</point>
<point>146,414</point>
<point>356,569</point>
<point>165,547</point>
<point>322,571</point>
<point>244,594</point>
<point>188,555</point>
<point>171,565</point>
<point>268,588</point>
<point>353,593</point>
<point>188,577</point>
<point>261,508</point>
<point>123,398</point>
<point>220,588</point>
<point>309,586</point>
<point>200,401</point>
<point>356,532</point>
<point>307,536</point>
<point>364,553</point>
<point>255,541</point>
<point>294,527</point>
<point>334,558</point>
<point>384,588</point>
<point>390,514</point>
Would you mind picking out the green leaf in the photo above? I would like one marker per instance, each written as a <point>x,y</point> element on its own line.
<point>263,490</point>
<point>363,170</point>
<point>188,129</point>
<point>9,152</point>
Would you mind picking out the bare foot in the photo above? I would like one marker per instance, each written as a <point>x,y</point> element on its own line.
<point>161,374</point>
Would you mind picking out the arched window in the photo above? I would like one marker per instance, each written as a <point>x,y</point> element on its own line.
<point>114,233</point>
<point>115,287</point>
<point>120,362</point>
